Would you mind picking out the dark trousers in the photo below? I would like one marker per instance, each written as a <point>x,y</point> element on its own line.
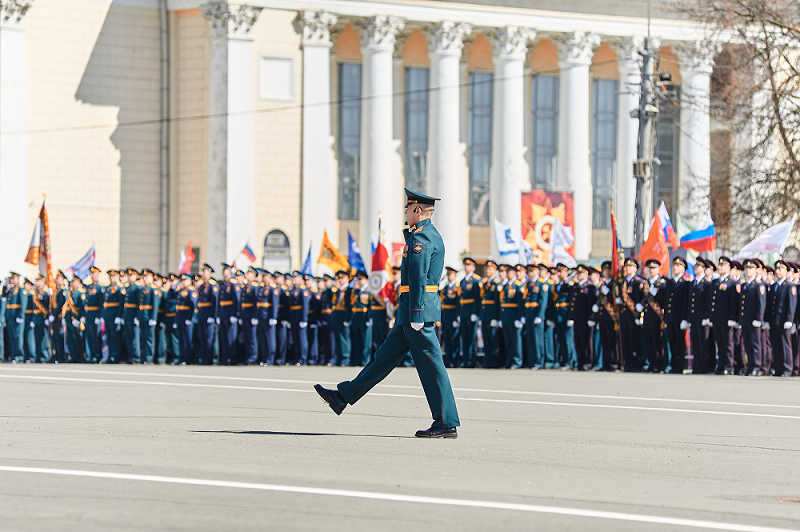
<point>131,334</point>
<point>654,346</point>
<point>42,343</point>
<point>380,329</point>
<point>205,342</point>
<point>147,335</point>
<point>630,343</point>
<point>469,341</point>
<point>113,340</point>
<point>723,336</point>
<point>94,340</point>
<point>266,342</point>
<point>299,344</point>
<point>227,341</point>
<point>250,336</point>
<point>781,342</point>
<point>738,352</point>
<point>583,344</point>
<point>425,349</point>
<point>534,338</point>
<point>173,344</point>
<point>58,337</point>
<point>766,351</point>
<point>608,338</point>
<point>342,335</point>
<point>185,339</point>
<point>699,338</point>
<point>29,342</point>
<point>450,335</point>
<point>751,341</point>
<point>326,343</point>
<point>361,337</point>
<point>677,347</point>
<point>513,345</point>
<point>15,338</point>
<point>565,345</point>
<point>75,343</point>
<point>489,333</point>
<point>282,344</point>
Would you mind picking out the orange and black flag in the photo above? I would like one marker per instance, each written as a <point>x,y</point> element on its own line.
<point>331,257</point>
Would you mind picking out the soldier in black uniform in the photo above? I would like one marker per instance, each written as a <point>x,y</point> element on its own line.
<point>605,315</point>
<point>583,297</point>
<point>490,309</point>
<point>752,305</point>
<point>696,316</point>
<point>781,307</point>
<point>469,302</point>
<point>721,316</point>
<point>629,298</point>
<point>450,319</point>
<point>655,298</point>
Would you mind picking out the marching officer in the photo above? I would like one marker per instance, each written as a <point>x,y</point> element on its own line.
<point>449,297</point>
<point>230,295</point>
<point>511,300</point>
<point>360,325</point>
<point>93,317</point>
<point>340,317</point>
<point>41,316</point>
<point>16,304</point>
<point>722,315</point>
<point>113,300</point>
<point>697,316</point>
<point>655,299</point>
<point>129,319</point>
<point>147,316</point>
<point>629,299</point>
<point>781,308</point>
<point>76,301</point>
<point>469,301</point>
<point>185,308</point>
<point>583,297</point>
<point>752,305</point>
<point>207,308</point>
<point>57,328</point>
<point>490,311</point>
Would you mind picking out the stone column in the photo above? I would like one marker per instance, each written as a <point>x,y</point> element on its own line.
<point>378,191</point>
<point>575,51</point>
<point>697,61</point>
<point>629,63</point>
<point>509,46</point>
<point>231,167</point>
<point>445,41</point>
<point>14,226</point>
<point>318,197</point>
<point>398,134</point>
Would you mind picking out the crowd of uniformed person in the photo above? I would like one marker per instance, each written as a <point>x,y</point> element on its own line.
<point>732,317</point>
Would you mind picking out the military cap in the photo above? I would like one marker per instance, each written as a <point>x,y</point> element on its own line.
<point>186,276</point>
<point>132,271</point>
<point>758,262</point>
<point>308,277</point>
<point>111,271</point>
<point>554,269</point>
<point>606,264</point>
<point>198,277</point>
<point>795,266</point>
<point>749,263</point>
<point>490,262</point>
<point>768,269</point>
<point>450,269</point>
<point>581,268</point>
<point>505,267</point>
<point>18,275</point>
<point>532,267</point>
<point>395,268</point>
<point>27,281</point>
<point>542,266</point>
<point>146,271</point>
<point>710,264</point>
<point>590,269</point>
<point>681,261</point>
<point>59,272</point>
<point>328,276</point>
<point>632,261</point>
<point>736,264</point>
<point>469,260</point>
<point>415,197</point>
<point>339,273</point>
<point>520,268</point>
<point>561,266</point>
<point>207,266</point>
<point>253,269</point>
<point>361,274</point>
<point>225,265</point>
<point>725,260</point>
<point>239,273</point>
<point>653,263</point>
<point>94,268</point>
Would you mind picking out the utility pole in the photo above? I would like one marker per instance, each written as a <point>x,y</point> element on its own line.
<point>645,150</point>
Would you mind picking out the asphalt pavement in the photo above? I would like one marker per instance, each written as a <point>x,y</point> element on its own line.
<point>90,448</point>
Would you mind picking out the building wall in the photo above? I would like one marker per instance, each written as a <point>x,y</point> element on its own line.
<point>93,63</point>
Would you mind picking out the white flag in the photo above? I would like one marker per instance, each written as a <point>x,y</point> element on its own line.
<point>560,239</point>
<point>773,240</point>
<point>508,240</point>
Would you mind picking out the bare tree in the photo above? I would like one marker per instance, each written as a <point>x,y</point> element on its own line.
<point>756,87</point>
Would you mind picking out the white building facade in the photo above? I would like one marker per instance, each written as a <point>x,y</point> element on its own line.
<point>290,118</point>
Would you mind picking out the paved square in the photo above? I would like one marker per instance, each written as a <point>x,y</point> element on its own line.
<point>233,448</point>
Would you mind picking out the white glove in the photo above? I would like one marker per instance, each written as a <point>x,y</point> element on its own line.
<point>273,322</point>
<point>458,319</point>
<point>653,290</point>
<point>164,326</point>
<point>455,324</point>
<point>303,324</point>
<point>83,320</point>
<point>97,321</point>
<point>550,323</point>
<point>756,323</point>
<point>500,323</point>
<point>765,326</point>
<point>570,323</point>
<point>121,321</point>
<point>638,322</point>
<point>518,324</point>
<point>685,325</point>
<point>217,320</point>
<point>174,325</point>
<point>19,320</point>
<point>493,323</point>
<point>787,325</point>
<point>605,289</point>
<point>234,319</point>
<point>369,323</point>
<point>346,323</point>
<point>794,329</point>
<point>639,307</point>
<point>732,323</point>
<point>76,323</point>
<point>253,322</point>
<point>537,321</point>
<point>102,321</point>
<point>151,323</point>
<point>619,301</point>
<point>240,322</point>
<point>136,321</point>
<point>52,319</point>
<point>32,325</point>
<point>417,325</point>
<point>473,318</point>
<point>117,321</point>
<point>188,322</point>
<point>705,322</point>
<point>595,309</point>
<point>590,323</point>
<point>523,320</point>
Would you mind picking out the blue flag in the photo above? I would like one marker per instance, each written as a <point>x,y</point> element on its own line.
<point>306,269</point>
<point>354,252</point>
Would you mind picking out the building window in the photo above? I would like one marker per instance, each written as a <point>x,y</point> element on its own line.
<point>604,150</point>
<point>665,182</point>
<point>480,146</point>
<point>544,138</point>
<point>349,139</point>
<point>276,78</point>
<point>416,129</point>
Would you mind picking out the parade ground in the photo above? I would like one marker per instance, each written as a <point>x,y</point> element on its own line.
<point>91,448</point>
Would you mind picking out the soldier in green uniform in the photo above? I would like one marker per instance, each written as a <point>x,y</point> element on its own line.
<point>511,307</point>
<point>29,341</point>
<point>76,301</point>
<point>490,311</point>
<point>111,320</point>
<point>147,314</point>
<point>41,319</point>
<point>537,292</point>
<point>419,308</point>
<point>16,305</point>
<point>57,329</point>
<point>360,326</point>
<point>3,324</point>
<point>469,303</point>
<point>341,304</point>
<point>129,319</point>
<point>564,335</point>
<point>93,317</point>
<point>450,319</point>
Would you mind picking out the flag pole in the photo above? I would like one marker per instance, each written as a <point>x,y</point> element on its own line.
<point>617,288</point>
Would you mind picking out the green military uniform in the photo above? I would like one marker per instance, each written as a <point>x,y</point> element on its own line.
<point>341,305</point>
<point>360,326</point>
<point>76,301</point>
<point>418,303</point>
<point>93,316</point>
<point>41,315</point>
<point>147,315</point>
<point>29,343</point>
<point>15,321</point>
<point>2,325</point>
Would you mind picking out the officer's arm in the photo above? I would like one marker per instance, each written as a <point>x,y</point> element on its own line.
<point>306,305</point>
<point>156,303</point>
<point>762,303</point>
<point>791,303</point>
<point>419,255</point>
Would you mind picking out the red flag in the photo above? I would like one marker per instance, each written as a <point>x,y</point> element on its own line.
<point>380,280</point>
<point>655,247</point>
<point>617,252</point>
<point>187,258</point>
<point>39,250</point>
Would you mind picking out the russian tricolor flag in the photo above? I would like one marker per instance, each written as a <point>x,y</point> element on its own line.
<point>248,252</point>
<point>702,239</point>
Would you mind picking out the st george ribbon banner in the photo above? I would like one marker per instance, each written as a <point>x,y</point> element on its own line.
<point>540,210</point>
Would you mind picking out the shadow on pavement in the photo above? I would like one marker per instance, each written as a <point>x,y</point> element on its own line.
<point>278,433</point>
